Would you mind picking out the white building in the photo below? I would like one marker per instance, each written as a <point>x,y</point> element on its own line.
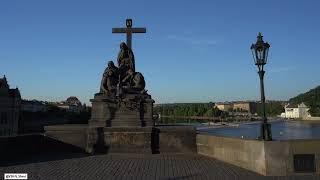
<point>296,111</point>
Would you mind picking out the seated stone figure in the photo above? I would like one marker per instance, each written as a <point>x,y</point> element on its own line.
<point>110,80</point>
<point>133,82</point>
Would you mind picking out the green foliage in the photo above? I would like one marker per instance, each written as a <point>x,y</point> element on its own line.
<point>223,114</point>
<point>311,99</point>
<point>57,115</point>
<point>272,108</point>
<point>187,109</point>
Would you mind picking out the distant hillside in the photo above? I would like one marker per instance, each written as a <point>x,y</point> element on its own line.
<point>310,98</point>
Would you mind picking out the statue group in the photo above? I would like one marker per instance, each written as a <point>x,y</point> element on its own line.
<point>117,81</point>
<point>122,100</point>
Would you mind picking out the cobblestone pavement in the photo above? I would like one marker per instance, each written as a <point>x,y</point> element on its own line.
<point>137,166</point>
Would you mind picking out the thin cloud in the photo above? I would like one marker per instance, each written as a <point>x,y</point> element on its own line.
<point>196,41</point>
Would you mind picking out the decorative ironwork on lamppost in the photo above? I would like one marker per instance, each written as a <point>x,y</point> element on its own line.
<point>260,56</point>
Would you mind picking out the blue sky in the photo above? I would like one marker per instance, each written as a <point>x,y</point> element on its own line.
<point>193,51</point>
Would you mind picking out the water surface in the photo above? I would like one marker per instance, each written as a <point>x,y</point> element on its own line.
<point>281,130</point>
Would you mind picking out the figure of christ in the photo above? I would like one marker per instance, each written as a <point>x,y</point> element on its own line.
<point>133,82</point>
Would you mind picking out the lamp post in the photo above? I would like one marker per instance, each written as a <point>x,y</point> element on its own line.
<point>260,55</point>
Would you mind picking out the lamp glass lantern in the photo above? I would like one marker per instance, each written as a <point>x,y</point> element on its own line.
<point>260,52</point>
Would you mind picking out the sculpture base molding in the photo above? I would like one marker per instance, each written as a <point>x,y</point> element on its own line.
<point>134,110</point>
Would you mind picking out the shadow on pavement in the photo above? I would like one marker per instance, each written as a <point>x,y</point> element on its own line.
<point>25,149</point>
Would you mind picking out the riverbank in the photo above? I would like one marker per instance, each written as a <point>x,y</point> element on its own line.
<point>186,121</point>
<point>218,119</point>
<point>190,117</point>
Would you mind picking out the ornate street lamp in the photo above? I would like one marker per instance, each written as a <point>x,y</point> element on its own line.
<point>260,55</point>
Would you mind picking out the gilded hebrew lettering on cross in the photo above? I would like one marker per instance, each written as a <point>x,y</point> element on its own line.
<point>129,30</point>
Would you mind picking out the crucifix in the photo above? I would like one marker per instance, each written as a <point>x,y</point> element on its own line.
<point>129,30</point>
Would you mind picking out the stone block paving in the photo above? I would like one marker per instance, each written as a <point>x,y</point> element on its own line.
<point>139,167</point>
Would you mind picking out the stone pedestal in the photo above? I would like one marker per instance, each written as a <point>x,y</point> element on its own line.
<point>120,140</point>
<point>103,111</point>
<point>131,110</point>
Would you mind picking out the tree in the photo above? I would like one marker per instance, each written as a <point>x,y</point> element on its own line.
<point>272,108</point>
<point>186,109</point>
<point>311,99</point>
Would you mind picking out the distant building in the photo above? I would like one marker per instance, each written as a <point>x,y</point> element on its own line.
<point>72,104</point>
<point>33,106</point>
<point>246,106</point>
<point>10,106</point>
<point>296,111</point>
<point>241,106</point>
<point>226,106</point>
